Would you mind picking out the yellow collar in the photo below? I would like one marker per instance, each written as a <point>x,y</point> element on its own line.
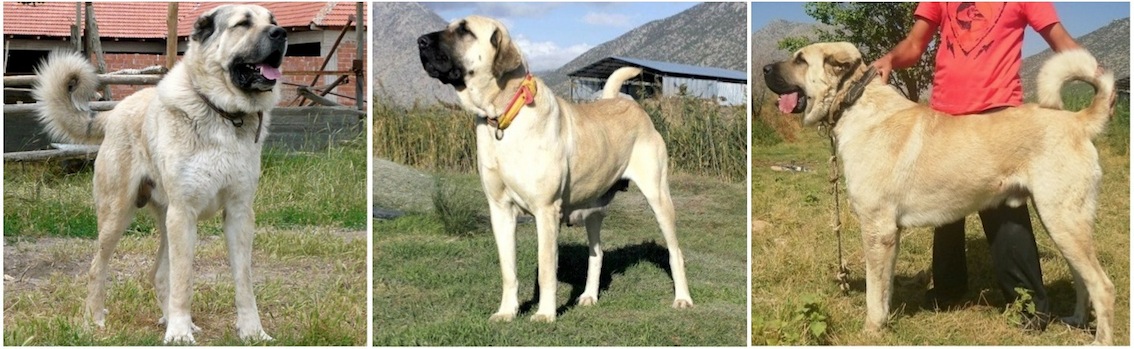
<point>525,95</point>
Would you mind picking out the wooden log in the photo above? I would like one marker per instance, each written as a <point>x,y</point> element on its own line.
<point>359,45</point>
<point>50,154</point>
<point>105,79</point>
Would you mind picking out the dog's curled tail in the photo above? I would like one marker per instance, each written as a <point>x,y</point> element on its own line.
<point>614,82</point>
<point>65,83</point>
<point>1077,65</point>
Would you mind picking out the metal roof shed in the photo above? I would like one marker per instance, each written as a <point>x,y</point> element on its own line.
<point>728,87</point>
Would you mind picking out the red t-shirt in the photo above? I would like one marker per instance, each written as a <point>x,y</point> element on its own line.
<point>979,52</point>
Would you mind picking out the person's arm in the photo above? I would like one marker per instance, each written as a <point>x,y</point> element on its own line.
<point>1058,38</point>
<point>908,51</point>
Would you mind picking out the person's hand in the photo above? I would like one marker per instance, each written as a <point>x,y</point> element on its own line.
<point>884,66</point>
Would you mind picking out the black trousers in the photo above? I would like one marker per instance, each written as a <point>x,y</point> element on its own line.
<point>1015,258</point>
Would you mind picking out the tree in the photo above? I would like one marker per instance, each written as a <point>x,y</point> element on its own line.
<point>875,28</point>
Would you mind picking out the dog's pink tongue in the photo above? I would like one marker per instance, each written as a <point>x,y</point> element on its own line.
<point>787,102</point>
<point>270,72</point>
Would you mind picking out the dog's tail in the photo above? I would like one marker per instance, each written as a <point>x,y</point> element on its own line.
<point>1078,65</point>
<point>614,82</point>
<point>64,86</point>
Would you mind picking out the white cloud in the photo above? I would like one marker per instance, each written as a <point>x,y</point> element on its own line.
<point>497,10</point>
<point>616,20</point>
<point>547,55</point>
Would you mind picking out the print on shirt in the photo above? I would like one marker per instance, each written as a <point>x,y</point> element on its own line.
<point>967,33</point>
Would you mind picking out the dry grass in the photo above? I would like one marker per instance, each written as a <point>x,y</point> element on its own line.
<point>310,286</point>
<point>702,138</point>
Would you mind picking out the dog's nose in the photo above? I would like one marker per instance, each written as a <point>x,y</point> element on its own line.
<point>767,69</point>
<point>277,33</point>
<point>423,41</point>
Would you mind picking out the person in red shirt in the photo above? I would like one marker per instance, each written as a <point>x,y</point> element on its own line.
<point>978,71</point>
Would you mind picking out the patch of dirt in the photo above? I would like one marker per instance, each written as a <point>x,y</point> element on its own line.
<point>30,264</point>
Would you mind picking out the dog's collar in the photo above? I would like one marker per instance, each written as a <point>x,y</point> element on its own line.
<point>237,119</point>
<point>525,95</point>
<point>852,94</point>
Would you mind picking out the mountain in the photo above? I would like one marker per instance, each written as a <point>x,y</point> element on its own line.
<point>1109,44</point>
<point>708,34</point>
<point>398,77</point>
<point>765,44</point>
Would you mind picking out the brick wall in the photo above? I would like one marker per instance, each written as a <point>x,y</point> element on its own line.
<point>346,53</point>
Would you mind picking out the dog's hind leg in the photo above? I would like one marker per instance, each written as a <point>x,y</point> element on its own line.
<point>114,206</point>
<point>649,172</point>
<point>503,217</point>
<point>594,260</point>
<point>1068,216</point>
<point>880,241</point>
<point>239,229</point>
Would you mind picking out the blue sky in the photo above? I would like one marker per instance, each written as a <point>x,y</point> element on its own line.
<point>552,34</point>
<point>1079,18</point>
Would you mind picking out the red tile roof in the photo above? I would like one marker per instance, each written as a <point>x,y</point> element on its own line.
<point>147,20</point>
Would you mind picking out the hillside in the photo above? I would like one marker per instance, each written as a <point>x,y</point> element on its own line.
<point>398,77</point>
<point>1109,44</point>
<point>709,34</point>
<point>765,43</point>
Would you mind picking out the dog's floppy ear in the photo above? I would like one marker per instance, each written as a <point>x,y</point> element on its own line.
<point>205,27</point>
<point>508,57</point>
<point>842,61</point>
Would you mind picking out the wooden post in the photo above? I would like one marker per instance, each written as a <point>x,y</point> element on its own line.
<point>360,49</point>
<point>94,43</point>
<point>76,31</point>
<point>171,36</point>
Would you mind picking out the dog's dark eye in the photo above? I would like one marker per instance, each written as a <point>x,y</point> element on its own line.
<point>245,23</point>
<point>799,59</point>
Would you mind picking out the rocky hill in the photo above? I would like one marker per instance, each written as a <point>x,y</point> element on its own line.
<point>708,34</point>
<point>398,77</point>
<point>1109,44</point>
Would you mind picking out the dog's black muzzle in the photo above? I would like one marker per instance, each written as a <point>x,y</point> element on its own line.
<point>437,61</point>
<point>258,69</point>
<point>789,92</point>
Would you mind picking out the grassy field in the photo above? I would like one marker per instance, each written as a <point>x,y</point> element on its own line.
<point>437,288</point>
<point>795,299</point>
<point>309,258</point>
<point>437,277</point>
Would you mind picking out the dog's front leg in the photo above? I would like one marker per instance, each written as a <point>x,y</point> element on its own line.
<point>547,232</point>
<point>181,221</point>
<point>504,229</point>
<point>239,229</point>
<point>594,260</point>
<point>880,245</point>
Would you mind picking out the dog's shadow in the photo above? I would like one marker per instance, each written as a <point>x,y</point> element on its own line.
<point>909,295</point>
<point>573,269</point>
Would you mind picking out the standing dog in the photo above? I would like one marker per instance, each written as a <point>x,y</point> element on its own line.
<point>907,165</point>
<point>188,148</point>
<point>559,161</point>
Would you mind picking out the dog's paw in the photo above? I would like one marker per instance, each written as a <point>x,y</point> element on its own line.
<point>547,318</point>
<point>502,317</point>
<point>98,318</point>
<point>682,303</point>
<point>588,300</point>
<point>254,335</point>
<point>177,337</point>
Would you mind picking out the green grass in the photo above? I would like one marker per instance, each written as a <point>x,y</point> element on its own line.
<point>434,288</point>
<point>325,188</point>
<point>797,256</point>
<point>702,138</point>
<point>309,258</point>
